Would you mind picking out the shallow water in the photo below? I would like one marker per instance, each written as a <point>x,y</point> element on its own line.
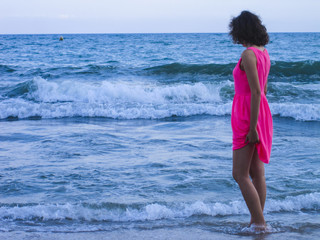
<point>105,175</point>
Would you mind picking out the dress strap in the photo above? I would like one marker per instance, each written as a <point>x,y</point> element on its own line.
<point>257,50</point>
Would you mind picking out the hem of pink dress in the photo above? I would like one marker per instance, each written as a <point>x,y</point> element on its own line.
<point>245,144</point>
<point>239,146</point>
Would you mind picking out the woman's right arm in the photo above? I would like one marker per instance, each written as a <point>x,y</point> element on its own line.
<point>250,66</point>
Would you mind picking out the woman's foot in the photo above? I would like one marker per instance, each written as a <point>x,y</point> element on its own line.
<point>258,227</point>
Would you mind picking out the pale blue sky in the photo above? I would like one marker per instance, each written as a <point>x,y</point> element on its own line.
<point>152,16</point>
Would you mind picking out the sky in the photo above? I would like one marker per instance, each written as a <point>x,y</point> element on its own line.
<point>152,16</point>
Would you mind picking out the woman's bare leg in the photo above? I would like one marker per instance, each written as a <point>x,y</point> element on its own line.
<point>242,159</point>
<point>258,178</point>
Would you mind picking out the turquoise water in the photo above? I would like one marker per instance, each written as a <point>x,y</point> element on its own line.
<point>131,132</point>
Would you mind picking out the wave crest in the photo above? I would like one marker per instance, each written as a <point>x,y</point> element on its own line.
<point>152,211</point>
<point>290,69</point>
<point>126,100</point>
<point>178,68</point>
<point>278,69</point>
<point>304,69</point>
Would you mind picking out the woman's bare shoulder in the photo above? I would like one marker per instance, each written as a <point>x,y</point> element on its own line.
<point>248,54</point>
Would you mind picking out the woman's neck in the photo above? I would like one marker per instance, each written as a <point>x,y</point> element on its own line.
<point>255,46</point>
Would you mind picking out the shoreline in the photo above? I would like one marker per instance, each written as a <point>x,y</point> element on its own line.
<point>157,234</point>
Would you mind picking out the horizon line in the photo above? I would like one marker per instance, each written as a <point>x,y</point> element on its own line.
<point>114,33</point>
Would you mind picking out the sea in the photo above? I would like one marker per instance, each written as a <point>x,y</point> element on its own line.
<point>128,136</point>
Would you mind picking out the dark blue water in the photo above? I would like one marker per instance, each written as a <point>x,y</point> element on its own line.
<point>131,132</point>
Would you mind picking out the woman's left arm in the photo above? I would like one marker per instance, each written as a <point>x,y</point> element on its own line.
<point>249,61</point>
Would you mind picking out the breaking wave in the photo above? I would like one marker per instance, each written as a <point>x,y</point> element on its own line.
<point>40,98</point>
<point>144,212</point>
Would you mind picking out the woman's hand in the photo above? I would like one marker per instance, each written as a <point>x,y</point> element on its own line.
<point>252,136</point>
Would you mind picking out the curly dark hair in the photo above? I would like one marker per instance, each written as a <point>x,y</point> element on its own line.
<point>248,29</point>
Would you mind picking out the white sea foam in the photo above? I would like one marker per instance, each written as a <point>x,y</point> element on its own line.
<point>153,211</point>
<point>298,111</point>
<point>296,203</point>
<point>123,92</point>
<point>122,100</point>
<point>125,100</point>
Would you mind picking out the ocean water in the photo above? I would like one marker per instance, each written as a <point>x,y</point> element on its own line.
<point>128,136</point>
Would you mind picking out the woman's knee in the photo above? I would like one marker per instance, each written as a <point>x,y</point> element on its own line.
<point>239,176</point>
<point>258,178</point>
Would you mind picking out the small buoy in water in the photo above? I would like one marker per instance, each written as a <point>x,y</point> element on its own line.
<point>61,38</point>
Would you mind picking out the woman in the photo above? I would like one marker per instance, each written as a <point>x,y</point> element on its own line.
<point>251,117</point>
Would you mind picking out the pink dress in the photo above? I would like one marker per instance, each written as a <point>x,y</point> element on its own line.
<point>240,115</point>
